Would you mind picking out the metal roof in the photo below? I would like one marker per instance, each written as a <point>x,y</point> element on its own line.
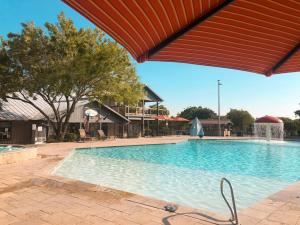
<point>115,112</point>
<point>150,95</point>
<point>18,110</point>
<point>258,36</point>
<point>214,122</point>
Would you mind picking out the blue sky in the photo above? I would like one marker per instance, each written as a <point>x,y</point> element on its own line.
<point>180,85</point>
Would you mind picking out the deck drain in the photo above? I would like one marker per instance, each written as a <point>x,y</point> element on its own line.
<point>170,208</point>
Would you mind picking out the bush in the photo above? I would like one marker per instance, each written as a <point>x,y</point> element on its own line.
<point>148,132</point>
<point>51,139</point>
<point>71,137</point>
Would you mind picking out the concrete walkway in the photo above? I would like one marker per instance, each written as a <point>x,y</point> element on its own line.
<point>29,194</point>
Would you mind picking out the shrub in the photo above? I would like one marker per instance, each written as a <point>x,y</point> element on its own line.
<point>71,137</point>
<point>51,139</point>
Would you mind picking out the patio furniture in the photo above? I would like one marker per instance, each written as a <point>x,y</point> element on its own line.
<point>102,135</point>
<point>83,136</point>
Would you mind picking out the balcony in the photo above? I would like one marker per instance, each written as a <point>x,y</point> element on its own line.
<point>138,111</point>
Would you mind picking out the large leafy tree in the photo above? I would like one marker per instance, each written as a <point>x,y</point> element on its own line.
<point>241,119</point>
<point>297,113</point>
<point>63,63</point>
<point>201,113</point>
<point>163,108</point>
<point>291,127</point>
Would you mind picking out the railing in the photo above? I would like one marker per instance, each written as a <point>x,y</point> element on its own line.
<point>234,217</point>
<point>138,111</point>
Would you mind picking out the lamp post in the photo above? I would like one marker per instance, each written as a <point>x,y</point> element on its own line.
<point>219,117</point>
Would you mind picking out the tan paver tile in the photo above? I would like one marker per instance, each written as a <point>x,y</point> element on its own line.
<point>62,219</point>
<point>256,213</point>
<point>142,218</point>
<point>180,220</point>
<point>123,221</point>
<point>284,218</point>
<point>154,223</point>
<point>31,222</point>
<point>3,213</point>
<point>8,220</point>
<point>268,222</point>
<point>247,220</point>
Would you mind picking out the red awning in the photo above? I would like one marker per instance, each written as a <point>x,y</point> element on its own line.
<point>162,117</point>
<point>179,119</point>
<point>167,118</point>
<point>259,36</point>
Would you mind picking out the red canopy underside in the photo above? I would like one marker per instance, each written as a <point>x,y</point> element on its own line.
<point>261,36</point>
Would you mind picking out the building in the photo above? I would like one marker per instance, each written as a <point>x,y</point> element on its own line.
<point>21,123</point>
<point>142,116</point>
<point>211,127</point>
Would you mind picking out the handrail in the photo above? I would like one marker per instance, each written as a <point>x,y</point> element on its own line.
<point>234,217</point>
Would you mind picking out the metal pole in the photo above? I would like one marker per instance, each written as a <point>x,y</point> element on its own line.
<point>219,84</point>
<point>157,122</point>
<point>143,118</point>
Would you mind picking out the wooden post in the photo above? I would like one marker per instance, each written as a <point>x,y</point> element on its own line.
<point>157,122</point>
<point>123,130</point>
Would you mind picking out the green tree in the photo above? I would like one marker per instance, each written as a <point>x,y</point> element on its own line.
<point>297,113</point>
<point>291,127</point>
<point>164,109</point>
<point>65,64</point>
<point>241,119</point>
<point>202,113</point>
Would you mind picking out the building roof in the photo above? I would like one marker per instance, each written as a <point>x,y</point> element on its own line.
<point>115,112</point>
<point>167,118</point>
<point>150,95</point>
<point>17,110</point>
<point>162,117</point>
<point>268,119</point>
<point>179,119</point>
<point>257,36</point>
<point>214,122</point>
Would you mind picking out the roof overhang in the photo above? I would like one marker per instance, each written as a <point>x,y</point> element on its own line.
<point>154,96</point>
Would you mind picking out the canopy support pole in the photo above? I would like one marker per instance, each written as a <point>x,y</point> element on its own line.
<point>283,60</point>
<point>157,122</point>
<point>183,31</point>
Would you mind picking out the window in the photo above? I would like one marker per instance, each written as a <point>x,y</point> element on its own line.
<point>5,131</point>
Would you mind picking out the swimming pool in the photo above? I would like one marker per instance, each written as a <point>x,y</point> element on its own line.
<point>7,148</point>
<point>189,173</point>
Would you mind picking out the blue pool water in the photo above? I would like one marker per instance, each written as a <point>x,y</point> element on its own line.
<point>189,173</point>
<point>9,148</point>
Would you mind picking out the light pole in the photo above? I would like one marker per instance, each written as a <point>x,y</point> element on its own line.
<point>219,84</point>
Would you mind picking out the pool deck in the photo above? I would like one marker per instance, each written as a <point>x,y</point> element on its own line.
<point>29,194</point>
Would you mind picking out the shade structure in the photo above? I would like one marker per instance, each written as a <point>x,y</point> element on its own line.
<point>179,119</point>
<point>261,36</point>
<point>162,117</point>
<point>268,119</point>
<point>167,118</point>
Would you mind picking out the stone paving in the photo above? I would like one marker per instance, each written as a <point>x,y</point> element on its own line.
<point>29,194</point>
